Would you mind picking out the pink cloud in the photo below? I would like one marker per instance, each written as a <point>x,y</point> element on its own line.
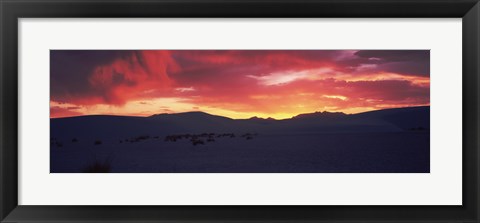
<point>246,80</point>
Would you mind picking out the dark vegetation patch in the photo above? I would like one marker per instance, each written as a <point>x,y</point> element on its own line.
<point>98,167</point>
<point>137,138</point>
<point>54,142</point>
<point>203,138</point>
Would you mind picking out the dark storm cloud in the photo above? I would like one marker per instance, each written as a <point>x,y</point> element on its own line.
<point>406,62</point>
<point>387,56</point>
<point>70,71</point>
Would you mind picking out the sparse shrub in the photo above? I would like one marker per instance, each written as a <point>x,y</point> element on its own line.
<point>98,167</point>
<point>97,142</point>
<point>74,140</point>
<point>143,137</point>
<point>171,138</point>
<point>197,142</point>
<point>138,138</point>
<point>210,140</point>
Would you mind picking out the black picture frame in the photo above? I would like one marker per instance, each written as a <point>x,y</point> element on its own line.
<point>12,10</point>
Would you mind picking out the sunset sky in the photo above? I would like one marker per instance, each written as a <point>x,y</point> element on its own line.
<point>236,83</point>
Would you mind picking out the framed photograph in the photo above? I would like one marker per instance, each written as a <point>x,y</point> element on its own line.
<point>228,111</point>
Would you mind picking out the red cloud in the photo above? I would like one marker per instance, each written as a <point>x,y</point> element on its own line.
<point>128,77</point>
<point>245,80</point>
<point>317,94</point>
<point>58,112</point>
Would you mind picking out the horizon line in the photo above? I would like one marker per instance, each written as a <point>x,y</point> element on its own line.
<point>146,116</point>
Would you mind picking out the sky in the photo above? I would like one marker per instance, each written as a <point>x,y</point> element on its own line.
<point>236,83</point>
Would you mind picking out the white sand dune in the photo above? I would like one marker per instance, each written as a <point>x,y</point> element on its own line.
<point>391,140</point>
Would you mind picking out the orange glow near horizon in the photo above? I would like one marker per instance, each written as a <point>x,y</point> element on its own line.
<point>237,84</point>
<point>130,109</point>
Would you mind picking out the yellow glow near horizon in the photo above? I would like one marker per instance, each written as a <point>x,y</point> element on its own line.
<point>175,105</point>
